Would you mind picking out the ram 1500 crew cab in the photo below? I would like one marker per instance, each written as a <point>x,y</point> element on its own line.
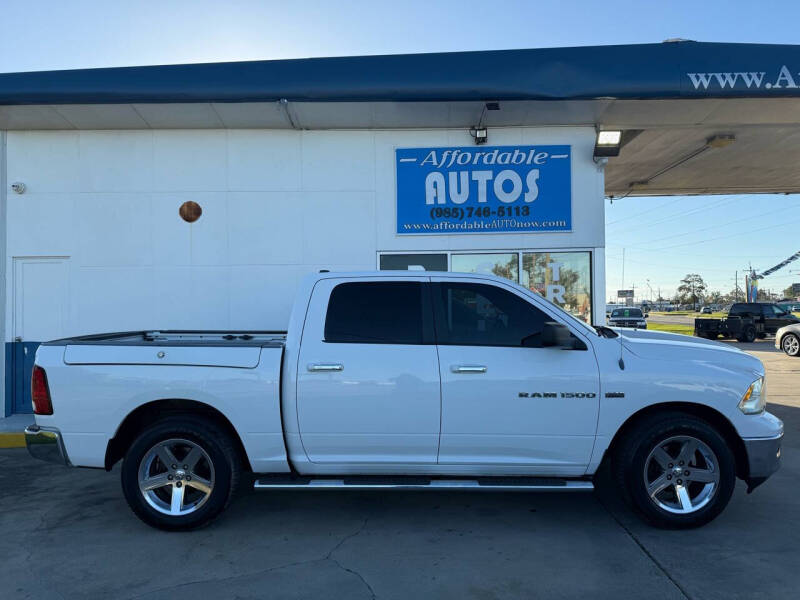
<point>414,381</point>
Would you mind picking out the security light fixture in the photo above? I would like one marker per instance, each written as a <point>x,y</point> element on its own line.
<point>607,144</point>
<point>480,135</point>
<point>608,138</point>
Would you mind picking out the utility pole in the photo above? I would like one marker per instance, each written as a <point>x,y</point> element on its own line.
<point>622,287</point>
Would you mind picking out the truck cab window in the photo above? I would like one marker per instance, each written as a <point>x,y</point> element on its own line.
<point>472,314</point>
<point>385,312</point>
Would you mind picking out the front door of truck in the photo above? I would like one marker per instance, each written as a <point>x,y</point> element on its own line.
<point>368,373</point>
<point>507,401</point>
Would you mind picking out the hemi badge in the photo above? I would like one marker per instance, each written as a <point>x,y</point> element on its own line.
<point>615,395</point>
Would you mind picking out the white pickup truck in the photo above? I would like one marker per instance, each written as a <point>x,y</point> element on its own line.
<point>408,380</point>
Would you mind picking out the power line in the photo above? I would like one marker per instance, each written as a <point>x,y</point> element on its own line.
<point>723,237</point>
<point>673,201</point>
<point>643,249</point>
<point>717,225</point>
<point>681,215</point>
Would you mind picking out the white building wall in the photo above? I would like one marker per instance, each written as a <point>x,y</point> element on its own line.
<point>102,206</point>
<point>4,185</point>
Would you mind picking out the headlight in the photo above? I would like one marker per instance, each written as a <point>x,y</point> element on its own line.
<point>755,398</point>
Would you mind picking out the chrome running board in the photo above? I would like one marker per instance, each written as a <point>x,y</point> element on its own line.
<point>489,484</point>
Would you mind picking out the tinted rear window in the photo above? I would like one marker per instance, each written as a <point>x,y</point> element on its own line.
<point>386,312</point>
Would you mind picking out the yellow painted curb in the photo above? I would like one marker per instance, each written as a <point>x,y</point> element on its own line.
<point>12,440</point>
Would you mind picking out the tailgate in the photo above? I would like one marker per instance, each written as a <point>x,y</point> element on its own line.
<point>200,356</point>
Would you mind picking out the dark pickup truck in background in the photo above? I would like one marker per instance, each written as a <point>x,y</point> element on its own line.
<point>746,321</point>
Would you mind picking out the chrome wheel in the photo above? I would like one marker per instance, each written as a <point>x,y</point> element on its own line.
<point>176,477</point>
<point>790,344</point>
<point>681,474</point>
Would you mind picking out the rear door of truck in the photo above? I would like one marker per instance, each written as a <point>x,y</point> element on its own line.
<point>368,373</point>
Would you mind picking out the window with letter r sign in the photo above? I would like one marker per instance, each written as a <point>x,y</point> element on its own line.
<point>484,189</point>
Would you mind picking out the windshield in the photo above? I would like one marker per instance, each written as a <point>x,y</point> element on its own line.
<point>627,313</point>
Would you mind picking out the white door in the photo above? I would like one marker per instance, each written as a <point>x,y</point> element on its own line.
<point>506,401</point>
<point>40,297</point>
<point>368,374</point>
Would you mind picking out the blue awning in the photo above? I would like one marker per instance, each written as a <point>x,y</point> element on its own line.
<point>646,71</point>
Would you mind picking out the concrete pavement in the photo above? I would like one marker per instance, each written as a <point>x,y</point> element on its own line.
<point>68,533</point>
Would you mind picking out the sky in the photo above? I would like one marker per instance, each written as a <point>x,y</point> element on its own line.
<point>663,238</point>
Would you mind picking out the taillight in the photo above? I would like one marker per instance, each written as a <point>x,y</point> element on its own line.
<point>40,392</point>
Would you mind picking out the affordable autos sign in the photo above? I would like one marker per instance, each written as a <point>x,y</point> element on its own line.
<point>483,189</point>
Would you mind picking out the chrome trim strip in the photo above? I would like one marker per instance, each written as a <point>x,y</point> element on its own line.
<point>761,439</point>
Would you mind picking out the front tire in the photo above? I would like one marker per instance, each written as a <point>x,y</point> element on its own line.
<point>677,470</point>
<point>180,473</point>
<point>790,344</point>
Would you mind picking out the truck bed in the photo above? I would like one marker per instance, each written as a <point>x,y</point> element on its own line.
<point>269,339</point>
<point>98,381</point>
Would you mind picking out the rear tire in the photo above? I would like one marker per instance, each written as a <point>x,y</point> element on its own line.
<point>748,334</point>
<point>790,344</point>
<point>677,471</point>
<point>181,472</point>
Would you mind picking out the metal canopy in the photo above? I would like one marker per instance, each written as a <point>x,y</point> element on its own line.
<point>669,99</point>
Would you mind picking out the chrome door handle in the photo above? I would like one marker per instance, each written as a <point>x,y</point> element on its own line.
<point>468,369</point>
<point>325,367</point>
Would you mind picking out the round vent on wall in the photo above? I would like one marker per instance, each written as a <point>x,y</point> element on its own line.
<point>190,211</point>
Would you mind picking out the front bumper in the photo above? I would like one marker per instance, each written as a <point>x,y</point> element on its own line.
<point>46,444</point>
<point>763,458</point>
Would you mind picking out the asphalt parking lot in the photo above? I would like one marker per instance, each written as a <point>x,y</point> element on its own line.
<point>67,533</point>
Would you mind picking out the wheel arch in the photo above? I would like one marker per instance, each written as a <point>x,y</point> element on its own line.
<point>150,412</point>
<point>712,416</point>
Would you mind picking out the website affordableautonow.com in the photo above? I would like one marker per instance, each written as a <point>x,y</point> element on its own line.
<point>783,78</point>
<point>482,226</point>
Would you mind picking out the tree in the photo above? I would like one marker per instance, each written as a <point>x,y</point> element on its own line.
<point>691,289</point>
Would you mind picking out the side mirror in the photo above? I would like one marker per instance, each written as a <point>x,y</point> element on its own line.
<point>556,334</point>
<point>646,315</point>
